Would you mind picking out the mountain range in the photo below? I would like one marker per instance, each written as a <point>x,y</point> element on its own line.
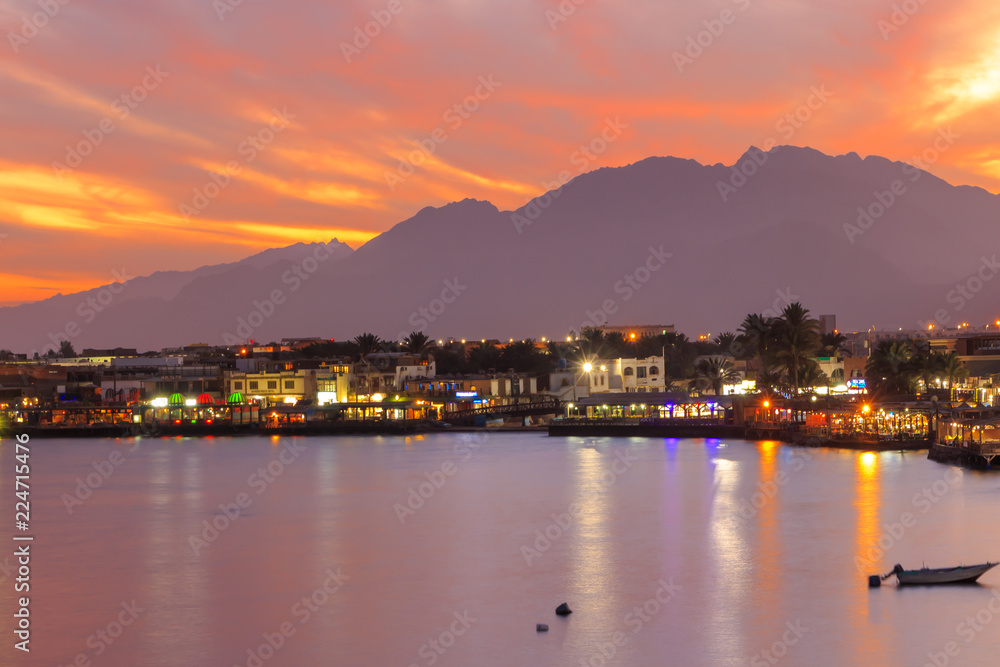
<point>661,241</point>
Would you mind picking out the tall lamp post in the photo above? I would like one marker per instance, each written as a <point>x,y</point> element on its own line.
<point>587,367</point>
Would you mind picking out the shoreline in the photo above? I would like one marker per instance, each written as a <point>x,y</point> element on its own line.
<point>706,431</point>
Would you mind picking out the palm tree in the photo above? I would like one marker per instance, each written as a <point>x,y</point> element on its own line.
<point>591,341</point>
<point>756,334</point>
<point>797,341</point>
<point>832,344</point>
<point>417,342</point>
<point>714,372</point>
<point>484,357</point>
<point>725,342</point>
<point>615,343</point>
<point>368,343</point>
<point>890,368</point>
<point>768,380</point>
<point>811,375</point>
<point>953,369</point>
<point>927,367</point>
<point>523,356</point>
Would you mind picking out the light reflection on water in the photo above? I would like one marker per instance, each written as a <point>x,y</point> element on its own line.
<point>757,536</point>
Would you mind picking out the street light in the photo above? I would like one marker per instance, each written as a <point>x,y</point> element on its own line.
<point>587,367</point>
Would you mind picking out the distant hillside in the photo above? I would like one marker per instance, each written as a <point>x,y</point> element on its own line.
<point>663,240</point>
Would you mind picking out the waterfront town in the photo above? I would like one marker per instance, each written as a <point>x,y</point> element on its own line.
<point>793,377</point>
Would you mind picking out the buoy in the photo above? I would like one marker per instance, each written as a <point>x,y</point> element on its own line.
<point>541,627</point>
<point>563,610</point>
<point>874,581</point>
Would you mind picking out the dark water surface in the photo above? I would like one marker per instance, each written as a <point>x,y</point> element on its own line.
<point>448,549</point>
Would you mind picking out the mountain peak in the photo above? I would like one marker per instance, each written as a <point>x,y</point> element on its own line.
<point>612,247</point>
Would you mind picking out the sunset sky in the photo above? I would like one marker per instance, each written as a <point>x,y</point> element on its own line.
<point>334,115</point>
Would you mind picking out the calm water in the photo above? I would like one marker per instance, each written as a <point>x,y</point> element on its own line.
<point>684,552</point>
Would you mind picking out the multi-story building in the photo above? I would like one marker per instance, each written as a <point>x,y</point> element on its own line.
<point>275,387</point>
<point>640,375</point>
<point>384,373</point>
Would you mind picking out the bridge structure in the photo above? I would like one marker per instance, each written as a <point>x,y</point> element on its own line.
<point>547,406</point>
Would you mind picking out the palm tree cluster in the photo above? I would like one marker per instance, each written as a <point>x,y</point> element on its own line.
<point>786,347</point>
<point>908,367</point>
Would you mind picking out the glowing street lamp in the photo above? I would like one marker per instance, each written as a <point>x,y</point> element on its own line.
<point>587,367</point>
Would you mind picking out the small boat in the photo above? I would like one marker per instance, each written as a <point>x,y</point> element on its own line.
<point>963,574</point>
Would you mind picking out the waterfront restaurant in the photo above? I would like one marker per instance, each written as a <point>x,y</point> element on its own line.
<point>841,418</point>
<point>281,416</point>
<point>653,406</point>
<point>976,424</point>
<point>177,409</point>
<point>61,416</point>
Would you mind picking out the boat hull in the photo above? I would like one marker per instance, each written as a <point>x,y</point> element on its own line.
<point>950,575</point>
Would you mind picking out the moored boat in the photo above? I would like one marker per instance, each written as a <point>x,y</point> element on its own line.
<point>963,574</point>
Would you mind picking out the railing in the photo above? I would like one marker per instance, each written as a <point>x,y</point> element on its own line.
<point>644,421</point>
<point>538,407</point>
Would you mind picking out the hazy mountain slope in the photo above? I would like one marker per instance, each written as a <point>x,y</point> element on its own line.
<point>790,231</point>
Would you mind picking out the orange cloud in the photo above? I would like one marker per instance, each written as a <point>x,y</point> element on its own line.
<point>324,174</point>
